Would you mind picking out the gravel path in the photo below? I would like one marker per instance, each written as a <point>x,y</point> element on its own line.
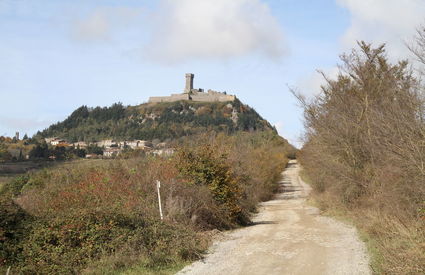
<point>288,237</point>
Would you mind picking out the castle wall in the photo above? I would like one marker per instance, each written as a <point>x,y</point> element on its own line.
<point>198,97</point>
<point>194,94</point>
<point>172,98</point>
<point>212,97</point>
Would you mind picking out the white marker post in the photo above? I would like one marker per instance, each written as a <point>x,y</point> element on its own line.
<point>158,185</point>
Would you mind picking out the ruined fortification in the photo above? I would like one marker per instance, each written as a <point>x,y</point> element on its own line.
<point>194,94</point>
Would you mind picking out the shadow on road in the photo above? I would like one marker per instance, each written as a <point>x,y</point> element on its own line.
<point>261,222</point>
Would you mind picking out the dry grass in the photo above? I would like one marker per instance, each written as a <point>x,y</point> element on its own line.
<point>396,246</point>
<point>3,180</point>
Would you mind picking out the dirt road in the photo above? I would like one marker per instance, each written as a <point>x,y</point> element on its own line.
<point>288,237</point>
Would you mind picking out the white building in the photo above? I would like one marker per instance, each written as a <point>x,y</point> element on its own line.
<point>49,140</point>
<point>168,152</point>
<point>138,144</point>
<point>135,144</point>
<point>107,143</point>
<point>111,152</point>
<point>80,144</point>
<point>58,141</point>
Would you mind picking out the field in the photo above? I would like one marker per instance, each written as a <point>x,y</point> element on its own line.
<point>4,179</point>
<point>15,168</point>
<point>101,216</point>
<point>10,170</point>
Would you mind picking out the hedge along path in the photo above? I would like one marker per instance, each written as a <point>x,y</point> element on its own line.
<point>287,237</point>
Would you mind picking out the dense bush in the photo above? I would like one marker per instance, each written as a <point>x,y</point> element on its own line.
<point>205,166</point>
<point>13,223</point>
<point>365,151</point>
<point>93,215</point>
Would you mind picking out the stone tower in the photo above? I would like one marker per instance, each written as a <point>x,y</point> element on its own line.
<point>189,83</point>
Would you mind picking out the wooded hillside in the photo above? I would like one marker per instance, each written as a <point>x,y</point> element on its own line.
<point>156,121</point>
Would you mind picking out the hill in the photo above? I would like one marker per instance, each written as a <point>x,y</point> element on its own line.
<point>149,121</point>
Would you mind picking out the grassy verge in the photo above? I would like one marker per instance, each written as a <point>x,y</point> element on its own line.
<point>395,246</point>
<point>142,269</point>
<point>5,179</point>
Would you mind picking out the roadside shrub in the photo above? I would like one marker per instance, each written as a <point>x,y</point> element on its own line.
<point>258,161</point>
<point>364,153</point>
<point>254,160</point>
<point>84,214</point>
<point>208,167</point>
<point>13,229</point>
<point>16,186</point>
<point>101,216</point>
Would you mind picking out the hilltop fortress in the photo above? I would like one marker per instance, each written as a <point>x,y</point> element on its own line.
<point>194,94</point>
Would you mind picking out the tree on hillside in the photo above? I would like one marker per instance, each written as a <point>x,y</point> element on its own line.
<point>94,149</point>
<point>4,154</point>
<point>59,152</point>
<point>418,48</point>
<point>40,151</point>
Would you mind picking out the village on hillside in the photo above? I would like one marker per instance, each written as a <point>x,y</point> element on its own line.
<point>51,147</point>
<point>110,148</point>
<point>54,148</point>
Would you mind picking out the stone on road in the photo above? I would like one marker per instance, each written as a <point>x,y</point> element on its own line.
<point>287,237</point>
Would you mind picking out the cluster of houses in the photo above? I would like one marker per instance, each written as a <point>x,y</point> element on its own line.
<point>112,148</point>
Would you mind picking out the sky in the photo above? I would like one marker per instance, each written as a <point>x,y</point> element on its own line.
<point>58,55</point>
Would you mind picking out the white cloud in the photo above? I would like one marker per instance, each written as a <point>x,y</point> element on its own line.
<point>392,22</point>
<point>192,29</point>
<point>310,84</point>
<point>284,131</point>
<point>384,21</point>
<point>101,22</point>
<point>94,27</point>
